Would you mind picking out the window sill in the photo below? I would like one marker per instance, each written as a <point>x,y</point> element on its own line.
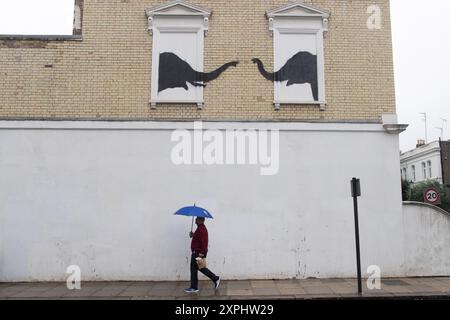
<point>322,104</point>
<point>199,104</point>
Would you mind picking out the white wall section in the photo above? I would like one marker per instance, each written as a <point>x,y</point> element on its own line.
<point>103,197</point>
<point>427,240</point>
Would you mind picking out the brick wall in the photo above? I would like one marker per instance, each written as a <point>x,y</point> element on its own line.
<point>107,74</point>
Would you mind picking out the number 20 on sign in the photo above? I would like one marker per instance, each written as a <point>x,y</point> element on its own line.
<point>432,196</point>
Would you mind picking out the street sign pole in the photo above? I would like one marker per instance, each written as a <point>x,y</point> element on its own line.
<point>356,192</point>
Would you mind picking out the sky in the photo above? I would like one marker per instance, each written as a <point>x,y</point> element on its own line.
<point>421,42</point>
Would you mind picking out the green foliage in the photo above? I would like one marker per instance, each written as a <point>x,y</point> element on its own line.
<point>406,188</point>
<point>417,190</point>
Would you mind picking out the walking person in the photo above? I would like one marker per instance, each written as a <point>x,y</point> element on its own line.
<point>199,248</point>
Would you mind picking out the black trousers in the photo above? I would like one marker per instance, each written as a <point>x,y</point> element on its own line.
<point>194,272</point>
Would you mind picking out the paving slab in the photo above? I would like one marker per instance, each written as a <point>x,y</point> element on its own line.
<point>56,292</point>
<point>266,291</point>
<point>397,289</point>
<point>421,288</point>
<point>110,290</point>
<point>343,289</point>
<point>34,291</point>
<point>288,286</point>
<point>87,290</point>
<point>136,290</point>
<point>333,281</point>
<point>236,290</point>
<point>165,291</point>
<point>377,293</point>
<point>13,289</point>
<point>263,284</point>
<point>239,292</point>
<point>291,291</point>
<point>318,289</point>
<point>239,285</point>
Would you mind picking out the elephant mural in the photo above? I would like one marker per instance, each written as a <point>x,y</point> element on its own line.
<point>300,69</point>
<point>174,72</point>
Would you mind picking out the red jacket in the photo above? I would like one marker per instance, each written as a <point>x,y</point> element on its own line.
<point>199,242</point>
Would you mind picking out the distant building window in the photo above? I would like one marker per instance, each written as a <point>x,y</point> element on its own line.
<point>404,174</point>
<point>413,173</point>
<point>424,170</point>
<point>430,175</point>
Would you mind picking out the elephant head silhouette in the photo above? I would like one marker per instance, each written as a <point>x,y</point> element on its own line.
<point>300,69</point>
<point>174,72</point>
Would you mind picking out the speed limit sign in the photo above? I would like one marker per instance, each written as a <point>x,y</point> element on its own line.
<point>432,196</point>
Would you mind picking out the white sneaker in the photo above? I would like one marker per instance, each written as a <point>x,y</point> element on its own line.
<point>217,284</point>
<point>190,290</point>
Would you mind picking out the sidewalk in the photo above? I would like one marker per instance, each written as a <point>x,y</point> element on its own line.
<point>265,289</point>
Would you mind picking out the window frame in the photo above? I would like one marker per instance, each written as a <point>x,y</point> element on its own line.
<point>424,170</point>
<point>404,174</point>
<point>177,17</point>
<point>300,18</point>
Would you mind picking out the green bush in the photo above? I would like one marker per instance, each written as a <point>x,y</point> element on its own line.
<point>406,188</point>
<point>417,190</point>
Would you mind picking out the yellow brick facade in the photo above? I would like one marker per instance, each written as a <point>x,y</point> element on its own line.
<point>107,75</point>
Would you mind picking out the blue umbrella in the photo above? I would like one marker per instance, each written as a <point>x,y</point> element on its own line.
<point>194,212</point>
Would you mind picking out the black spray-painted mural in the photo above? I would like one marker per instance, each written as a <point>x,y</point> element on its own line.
<point>174,72</point>
<point>300,69</point>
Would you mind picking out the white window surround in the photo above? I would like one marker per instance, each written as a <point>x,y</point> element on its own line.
<point>299,19</point>
<point>177,18</point>
<point>430,171</point>
<point>424,170</point>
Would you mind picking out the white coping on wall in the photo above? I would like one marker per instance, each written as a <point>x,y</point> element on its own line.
<point>427,205</point>
<point>156,125</point>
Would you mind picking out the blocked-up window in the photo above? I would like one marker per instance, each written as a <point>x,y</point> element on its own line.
<point>179,31</point>
<point>298,32</point>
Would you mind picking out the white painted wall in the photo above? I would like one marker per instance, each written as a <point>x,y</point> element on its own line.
<point>102,196</point>
<point>427,240</point>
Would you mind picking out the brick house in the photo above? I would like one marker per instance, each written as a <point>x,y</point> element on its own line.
<point>87,132</point>
<point>427,162</point>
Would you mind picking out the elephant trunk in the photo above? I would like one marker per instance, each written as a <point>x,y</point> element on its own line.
<point>268,75</point>
<point>206,77</point>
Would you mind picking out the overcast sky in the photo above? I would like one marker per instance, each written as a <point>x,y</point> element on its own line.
<point>421,36</point>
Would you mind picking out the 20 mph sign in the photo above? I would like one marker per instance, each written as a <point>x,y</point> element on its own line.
<point>432,196</point>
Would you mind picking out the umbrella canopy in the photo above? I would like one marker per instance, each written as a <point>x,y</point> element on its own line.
<point>194,211</point>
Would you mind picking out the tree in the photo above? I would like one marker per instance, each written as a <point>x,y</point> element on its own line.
<point>406,188</point>
<point>418,189</point>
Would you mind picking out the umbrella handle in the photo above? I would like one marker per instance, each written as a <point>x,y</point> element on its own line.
<point>192,227</point>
